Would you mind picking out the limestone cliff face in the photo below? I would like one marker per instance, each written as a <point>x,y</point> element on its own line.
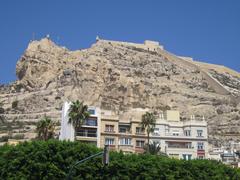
<point>121,76</point>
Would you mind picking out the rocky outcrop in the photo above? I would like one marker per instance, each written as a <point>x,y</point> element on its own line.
<point>120,76</point>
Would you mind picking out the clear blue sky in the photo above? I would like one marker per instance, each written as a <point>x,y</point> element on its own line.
<point>208,30</point>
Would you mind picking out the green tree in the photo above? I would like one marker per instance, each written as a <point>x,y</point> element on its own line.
<point>45,129</point>
<point>154,148</point>
<point>78,113</point>
<point>52,160</point>
<point>148,123</point>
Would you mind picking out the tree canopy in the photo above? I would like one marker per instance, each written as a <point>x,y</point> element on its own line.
<point>53,159</point>
<point>45,129</point>
<point>148,122</point>
<point>78,113</point>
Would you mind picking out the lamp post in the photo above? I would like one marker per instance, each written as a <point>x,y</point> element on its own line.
<point>105,154</point>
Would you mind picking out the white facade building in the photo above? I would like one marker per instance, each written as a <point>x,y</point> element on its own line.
<point>67,129</point>
<point>181,139</point>
<point>89,132</point>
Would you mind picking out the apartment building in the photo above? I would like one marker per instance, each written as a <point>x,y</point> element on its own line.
<point>89,132</point>
<point>181,139</point>
<point>229,154</point>
<point>122,132</point>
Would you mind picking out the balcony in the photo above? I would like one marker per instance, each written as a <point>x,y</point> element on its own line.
<point>124,131</point>
<point>86,134</point>
<point>90,123</point>
<point>200,152</point>
<point>126,147</point>
<point>140,133</point>
<point>179,150</point>
<point>183,136</point>
<point>155,134</point>
<point>179,145</point>
<point>108,131</point>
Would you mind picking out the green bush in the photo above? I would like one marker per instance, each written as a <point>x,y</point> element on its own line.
<point>53,159</point>
<point>14,104</point>
<point>4,138</point>
<point>18,136</point>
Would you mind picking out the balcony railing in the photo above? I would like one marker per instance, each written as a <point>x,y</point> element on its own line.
<point>155,134</point>
<point>181,147</point>
<point>125,145</point>
<point>109,131</point>
<point>90,123</point>
<point>86,134</point>
<point>181,135</point>
<point>125,132</point>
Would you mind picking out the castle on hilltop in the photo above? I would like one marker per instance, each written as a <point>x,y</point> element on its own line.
<point>147,45</point>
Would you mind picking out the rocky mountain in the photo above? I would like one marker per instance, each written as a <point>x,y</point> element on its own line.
<point>119,76</point>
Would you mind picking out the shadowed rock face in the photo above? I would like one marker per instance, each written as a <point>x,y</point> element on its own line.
<point>119,77</point>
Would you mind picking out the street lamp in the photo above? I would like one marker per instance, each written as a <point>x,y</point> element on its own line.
<point>105,161</point>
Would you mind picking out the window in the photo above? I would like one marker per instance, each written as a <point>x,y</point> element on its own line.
<point>175,133</point>
<point>167,129</point>
<point>109,141</point>
<point>200,146</point>
<point>91,122</point>
<point>161,116</point>
<point>156,131</point>
<point>140,143</point>
<point>109,128</point>
<point>125,141</point>
<point>199,133</point>
<point>189,145</point>
<point>124,129</point>
<point>139,130</point>
<point>187,156</point>
<point>187,132</point>
<point>91,111</point>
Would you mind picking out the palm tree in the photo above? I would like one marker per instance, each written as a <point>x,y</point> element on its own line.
<point>45,129</point>
<point>148,123</point>
<point>78,113</point>
<point>154,148</point>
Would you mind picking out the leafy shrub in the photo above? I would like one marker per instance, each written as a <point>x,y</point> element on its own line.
<point>2,110</point>
<point>53,159</point>
<point>4,138</point>
<point>15,104</point>
<point>18,136</point>
<point>18,87</point>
